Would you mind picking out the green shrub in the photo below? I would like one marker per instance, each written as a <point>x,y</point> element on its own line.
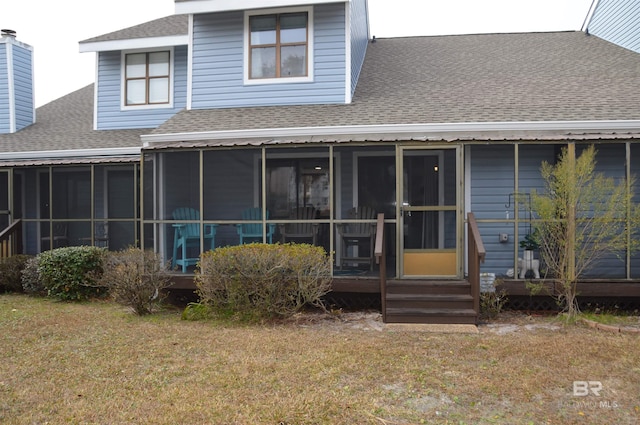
<point>11,272</point>
<point>31,282</point>
<point>258,281</point>
<point>135,278</point>
<point>72,273</point>
<point>196,311</point>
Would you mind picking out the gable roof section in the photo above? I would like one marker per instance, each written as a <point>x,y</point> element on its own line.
<point>171,30</point>
<point>64,128</point>
<point>488,78</point>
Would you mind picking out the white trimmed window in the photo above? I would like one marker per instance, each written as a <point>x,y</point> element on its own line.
<point>279,46</point>
<point>147,78</point>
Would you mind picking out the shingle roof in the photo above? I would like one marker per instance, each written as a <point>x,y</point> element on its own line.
<point>561,76</point>
<point>565,76</point>
<point>67,123</point>
<point>162,27</point>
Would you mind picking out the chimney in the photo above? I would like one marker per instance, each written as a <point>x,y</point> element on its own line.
<point>17,104</point>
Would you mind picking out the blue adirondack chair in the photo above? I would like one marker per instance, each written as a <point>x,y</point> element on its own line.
<point>252,232</point>
<point>187,235</point>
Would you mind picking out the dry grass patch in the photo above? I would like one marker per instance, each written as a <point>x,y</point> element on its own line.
<point>98,363</point>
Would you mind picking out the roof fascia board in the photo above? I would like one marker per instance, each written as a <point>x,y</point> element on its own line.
<point>135,43</point>
<point>456,128</point>
<point>590,13</point>
<point>70,153</point>
<point>207,6</point>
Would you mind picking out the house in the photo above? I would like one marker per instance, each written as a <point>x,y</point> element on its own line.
<point>291,106</point>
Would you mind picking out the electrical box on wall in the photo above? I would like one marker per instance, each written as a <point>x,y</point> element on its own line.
<point>503,237</point>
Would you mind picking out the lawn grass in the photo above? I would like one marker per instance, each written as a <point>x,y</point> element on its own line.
<point>96,363</point>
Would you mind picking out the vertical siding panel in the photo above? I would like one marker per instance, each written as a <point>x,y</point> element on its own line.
<point>617,21</point>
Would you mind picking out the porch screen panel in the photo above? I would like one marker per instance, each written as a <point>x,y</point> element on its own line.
<point>4,199</point>
<point>179,192</point>
<point>120,208</point>
<point>298,188</point>
<point>149,188</point>
<point>376,184</point>
<point>298,182</point>
<point>231,183</point>
<point>71,201</point>
<point>71,196</point>
<point>180,181</point>
<point>231,187</point>
<point>430,182</point>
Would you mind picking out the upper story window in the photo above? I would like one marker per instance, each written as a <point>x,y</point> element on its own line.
<point>279,46</point>
<point>147,78</point>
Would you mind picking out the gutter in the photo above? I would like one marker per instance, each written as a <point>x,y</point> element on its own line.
<point>71,153</point>
<point>457,129</point>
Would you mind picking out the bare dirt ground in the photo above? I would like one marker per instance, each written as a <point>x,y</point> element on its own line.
<point>507,322</point>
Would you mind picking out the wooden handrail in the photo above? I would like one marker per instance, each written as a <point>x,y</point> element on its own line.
<point>11,240</point>
<point>381,260</point>
<point>476,255</point>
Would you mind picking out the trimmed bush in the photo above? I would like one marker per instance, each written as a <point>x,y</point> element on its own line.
<point>258,281</point>
<point>11,272</point>
<point>31,282</point>
<point>72,273</point>
<point>135,278</point>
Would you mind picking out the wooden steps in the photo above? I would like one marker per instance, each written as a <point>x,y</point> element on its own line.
<point>429,301</point>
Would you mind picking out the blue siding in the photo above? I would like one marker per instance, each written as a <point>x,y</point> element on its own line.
<point>492,180</point>
<point>218,58</point>
<point>617,21</point>
<point>110,114</point>
<point>17,58</point>
<point>610,161</point>
<point>23,86</point>
<point>4,90</point>
<point>359,39</point>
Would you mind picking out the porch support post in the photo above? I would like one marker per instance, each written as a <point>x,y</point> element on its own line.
<point>263,192</point>
<point>141,211</point>
<point>92,175</point>
<point>201,197</point>
<point>50,207</point>
<point>628,212</point>
<point>399,217</point>
<point>516,207</point>
<point>331,205</point>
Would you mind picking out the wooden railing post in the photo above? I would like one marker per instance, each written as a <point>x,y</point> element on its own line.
<point>11,240</point>
<point>381,260</point>
<point>475,254</point>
